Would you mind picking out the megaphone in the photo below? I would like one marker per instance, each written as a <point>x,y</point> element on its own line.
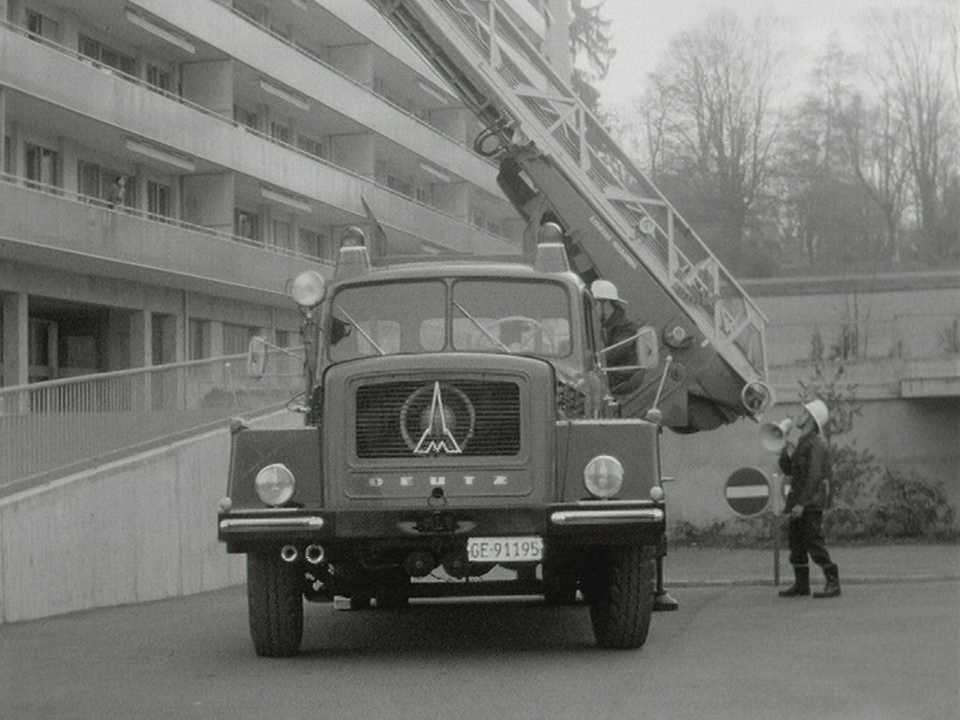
<point>773,436</point>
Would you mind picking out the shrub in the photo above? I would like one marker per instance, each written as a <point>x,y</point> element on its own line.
<point>908,506</point>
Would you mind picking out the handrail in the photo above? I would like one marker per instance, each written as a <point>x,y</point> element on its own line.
<point>45,426</point>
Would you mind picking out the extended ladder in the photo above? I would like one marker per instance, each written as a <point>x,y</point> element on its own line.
<point>558,162</point>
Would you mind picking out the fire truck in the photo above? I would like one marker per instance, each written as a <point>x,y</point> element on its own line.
<point>490,425</point>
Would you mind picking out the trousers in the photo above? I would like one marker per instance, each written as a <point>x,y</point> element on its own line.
<point>806,539</point>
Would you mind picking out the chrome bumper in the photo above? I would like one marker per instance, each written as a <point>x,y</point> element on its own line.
<point>617,516</point>
<point>300,522</point>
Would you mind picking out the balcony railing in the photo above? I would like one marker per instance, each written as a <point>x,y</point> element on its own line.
<point>74,196</point>
<point>228,4</point>
<point>930,336</point>
<point>50,427</point>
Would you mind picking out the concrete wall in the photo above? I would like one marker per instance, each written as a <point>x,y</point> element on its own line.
<point>903,323</point>
<point>138,530</point>
<point>917,436</point>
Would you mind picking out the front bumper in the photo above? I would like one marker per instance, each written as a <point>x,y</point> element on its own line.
<point>586,522</point>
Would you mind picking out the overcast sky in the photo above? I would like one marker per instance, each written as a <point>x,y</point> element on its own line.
<point>642,30</point>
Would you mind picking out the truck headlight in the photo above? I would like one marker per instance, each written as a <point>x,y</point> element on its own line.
<point>275,484</point>
<point>603,476</point>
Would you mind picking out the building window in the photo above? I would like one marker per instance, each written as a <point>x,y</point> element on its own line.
<point>283,235</point>
<point>279,131</point>
<point>106,55</point>
<point>158,200</point>
<point>159,78</point>
<point>384,90</point>
<point>199,339</point>
<point>236,338</point>
<point>246,225</point>
<point>245,117</point>
<point>40,26</point>
<point>311,243</point>
<point>310,146</point>
<point>42,166</point>
<point>101,184</point>
<point>425,194</point>
<point>400,185</point>
<point>8,154</point>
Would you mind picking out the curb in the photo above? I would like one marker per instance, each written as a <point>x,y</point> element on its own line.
<point>898,580</point>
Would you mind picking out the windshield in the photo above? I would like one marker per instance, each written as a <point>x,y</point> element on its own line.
<point>387,319</point>
<point>530,318</point>
<point>514,317</point>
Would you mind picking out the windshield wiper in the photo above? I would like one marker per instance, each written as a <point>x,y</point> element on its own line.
<point>363,332</point>
<point>482,329</point>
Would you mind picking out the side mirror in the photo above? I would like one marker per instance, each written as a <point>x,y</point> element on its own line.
<point>648,348</point>
<point>257,357</point>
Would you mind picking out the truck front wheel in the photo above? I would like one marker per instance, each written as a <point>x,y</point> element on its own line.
<point>275,605</point>
<point>621,593</point>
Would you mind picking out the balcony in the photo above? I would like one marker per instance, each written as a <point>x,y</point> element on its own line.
<point>46,225</point>
<point>76,99</point>
<point>274,56</point>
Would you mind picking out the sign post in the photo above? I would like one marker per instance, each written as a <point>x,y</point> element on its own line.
<point>778,484</point>
<point>748,491</point>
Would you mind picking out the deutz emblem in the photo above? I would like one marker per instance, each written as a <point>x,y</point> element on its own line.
<point>437,438</point>
<point>440,415</point>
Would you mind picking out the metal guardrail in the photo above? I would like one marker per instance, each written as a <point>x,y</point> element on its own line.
<point>906,336</point>
<point>53,425</point>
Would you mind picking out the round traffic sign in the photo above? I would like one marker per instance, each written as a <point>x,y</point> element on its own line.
<point>747,490</point>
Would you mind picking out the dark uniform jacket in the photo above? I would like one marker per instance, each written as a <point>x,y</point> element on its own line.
<point>809,469</point>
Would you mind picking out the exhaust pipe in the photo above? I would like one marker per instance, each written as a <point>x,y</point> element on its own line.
<point>289,553</point>
<point>314,554</point>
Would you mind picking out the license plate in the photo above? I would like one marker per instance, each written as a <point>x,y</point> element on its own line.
<point>505,549</point>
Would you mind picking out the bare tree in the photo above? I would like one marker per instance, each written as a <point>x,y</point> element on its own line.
<point>818,207</point>
<point>910,61</point>
<point>713,95</point>
<point>874,151</point>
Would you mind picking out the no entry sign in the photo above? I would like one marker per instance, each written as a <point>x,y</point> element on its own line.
<point>747,490</point>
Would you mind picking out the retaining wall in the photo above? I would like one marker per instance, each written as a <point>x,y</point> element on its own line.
<point>140,529</point>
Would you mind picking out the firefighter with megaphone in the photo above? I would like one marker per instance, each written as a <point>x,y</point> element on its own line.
<point>809,467</point>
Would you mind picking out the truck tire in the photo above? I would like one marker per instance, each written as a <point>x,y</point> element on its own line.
<point>275,605</point>
<point>621,594</point>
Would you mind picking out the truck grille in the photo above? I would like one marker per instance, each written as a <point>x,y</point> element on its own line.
<point>409,419</point>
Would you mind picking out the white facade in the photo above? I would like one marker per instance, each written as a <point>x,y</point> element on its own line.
<point>248,134</point>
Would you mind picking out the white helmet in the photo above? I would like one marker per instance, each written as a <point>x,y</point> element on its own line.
<point>818,411</point>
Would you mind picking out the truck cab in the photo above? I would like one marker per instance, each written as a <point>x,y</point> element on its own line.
<point>460,438</point>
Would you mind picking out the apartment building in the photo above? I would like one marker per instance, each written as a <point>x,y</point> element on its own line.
<point>167,166</point>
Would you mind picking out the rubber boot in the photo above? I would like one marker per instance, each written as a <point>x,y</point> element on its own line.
<point>832,588</point>
<point>801,584</point>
